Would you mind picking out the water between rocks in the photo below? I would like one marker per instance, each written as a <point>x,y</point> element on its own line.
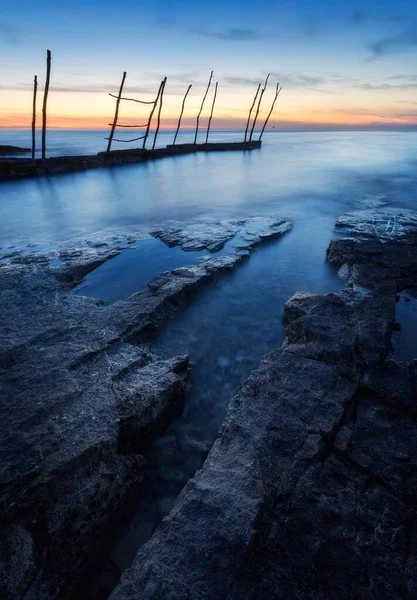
<point>225,330</point>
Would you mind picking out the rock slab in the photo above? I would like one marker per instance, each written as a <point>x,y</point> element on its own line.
<point>310,490</point>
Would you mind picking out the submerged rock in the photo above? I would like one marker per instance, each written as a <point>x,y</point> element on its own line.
<point>311,488</point>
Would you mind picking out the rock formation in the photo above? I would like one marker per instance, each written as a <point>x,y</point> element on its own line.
<point>310,490</point>
<point>81,399</point>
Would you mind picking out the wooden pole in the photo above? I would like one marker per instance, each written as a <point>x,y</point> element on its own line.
<point>250,112</point>
<point>35,91</point>
<point>45,101</point>
<point>159,112</point>
<point>182,110</point>
<point>148,126</point>
<point>201,108</point>
<point>116,114</point>
<point>212,109</point>
<point>277,92</point>
<point>258,107</point>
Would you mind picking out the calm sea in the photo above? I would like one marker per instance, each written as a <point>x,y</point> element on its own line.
<point>301,176</point>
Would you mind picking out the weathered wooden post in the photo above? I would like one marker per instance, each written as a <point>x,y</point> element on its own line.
<point>212,109</point>
<point>159,112</point>
<point>201,108</point>
<point>277,92</point>
<point>258,107</point>
<point>116,114</point>
<point>35,91</point>
<point>148,126</point>
<point>250,112</point>
<point>45,101</point>
<point>182,110</point>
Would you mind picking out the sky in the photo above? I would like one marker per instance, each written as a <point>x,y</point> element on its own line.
<point>340,64</point>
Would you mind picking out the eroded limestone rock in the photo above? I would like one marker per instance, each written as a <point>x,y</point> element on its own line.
<point>213,236</point>
<point>310,490</point>
<point>81,398</point>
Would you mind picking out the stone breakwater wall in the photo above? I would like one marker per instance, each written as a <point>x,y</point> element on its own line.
<point>310,490</point>
<point>23,168</point>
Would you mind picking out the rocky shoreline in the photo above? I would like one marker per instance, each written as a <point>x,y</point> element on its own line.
<point>82,397</point>
<point>310,489</point>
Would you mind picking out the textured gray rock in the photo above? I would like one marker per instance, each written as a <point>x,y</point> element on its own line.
<point>81,399</point>
<point>78,406</point>
<point>213,237</point>
<point>310,490</point>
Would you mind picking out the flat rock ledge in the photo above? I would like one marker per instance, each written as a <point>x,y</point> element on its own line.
<point>310,490</point>
<point>81,400</point>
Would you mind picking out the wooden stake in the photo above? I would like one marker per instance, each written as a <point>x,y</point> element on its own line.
<point>182,110</point>
<point>151,115</point>
<point>201,108</point>
<point>116,114</point>
<point>159,112</point>
<point>45,101</point>
<point>277,92</point>
<point>250,112</point>
<point>35,91</point>
<point>258,107</point>
<point>212,109</point>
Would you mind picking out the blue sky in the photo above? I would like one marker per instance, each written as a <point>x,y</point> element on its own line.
<point>350,64</point>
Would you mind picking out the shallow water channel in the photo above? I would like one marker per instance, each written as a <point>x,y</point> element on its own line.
<point>226,330</point>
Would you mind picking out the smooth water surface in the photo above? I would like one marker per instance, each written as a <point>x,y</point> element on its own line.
<point>294,175</point>
<point>130,271</point>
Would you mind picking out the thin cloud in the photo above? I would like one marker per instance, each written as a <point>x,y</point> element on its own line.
<point>173,88</point>
<point>234,34</point>
<point>402,42</point>
<point>393,82</point>
<point>359,17</point>
<point>294,80</point>
<point>8,34</point>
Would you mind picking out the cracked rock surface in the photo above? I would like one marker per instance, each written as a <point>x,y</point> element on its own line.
<point>81,398</point>
<point>213,237</point>
<point>310,490</point>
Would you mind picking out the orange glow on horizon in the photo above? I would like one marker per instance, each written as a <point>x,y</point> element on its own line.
<point>304,120</point>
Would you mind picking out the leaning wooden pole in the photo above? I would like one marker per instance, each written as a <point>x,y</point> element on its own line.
<point>250,112</point>
<point>201,107</point>
<point>45,101</point>
<point>148,126</point>
<point>182,111</point>
<point>277,92</point>
<point>159,112</point>
<point>116,113</point>
<point>212,109</point>
<point>258,107</point>
<point>35,91</point>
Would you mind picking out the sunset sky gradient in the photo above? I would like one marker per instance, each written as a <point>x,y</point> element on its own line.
<point>341,65</point>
